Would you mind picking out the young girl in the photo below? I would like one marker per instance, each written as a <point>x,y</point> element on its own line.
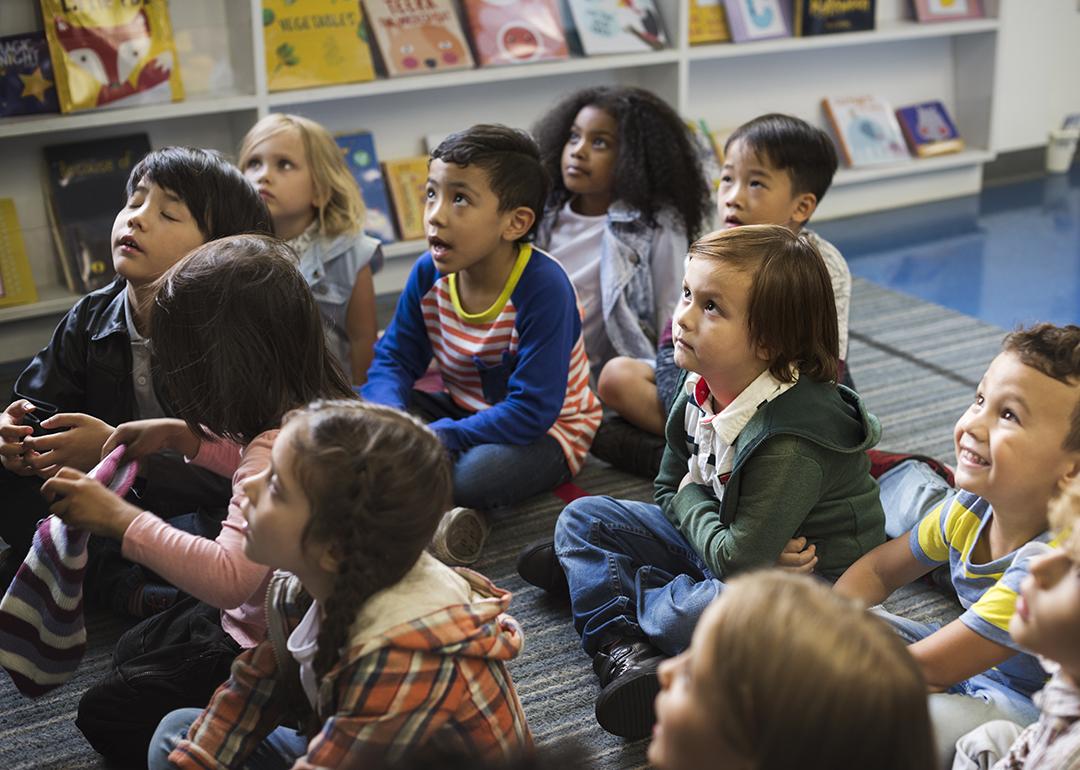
<point>375,647</point>
<point>628,195</point>
<point>300,172</point>
<point>782,673</point>
<point>238,343</point>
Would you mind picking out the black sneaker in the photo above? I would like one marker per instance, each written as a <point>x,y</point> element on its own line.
<point>538,566</point>
<point>628,674</point>
<point>628,448</point>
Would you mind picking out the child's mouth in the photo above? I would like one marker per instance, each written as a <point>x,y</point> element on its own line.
<point>128,243</point>
<point>438,246</point>
<point>971,458</point>
<point>576,171</point>
<point>732,222</point>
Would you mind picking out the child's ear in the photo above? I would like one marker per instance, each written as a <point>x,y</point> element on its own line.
<point>518,222</point>
<point>1071,473</point>
<point>805,204</point>
<point>329,559</point>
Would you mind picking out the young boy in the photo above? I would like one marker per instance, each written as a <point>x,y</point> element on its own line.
<point>762,447</point>
<point>501,319</point>
<point>1016,447</point>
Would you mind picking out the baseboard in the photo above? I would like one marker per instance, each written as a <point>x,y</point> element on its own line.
<point>1015,166</point>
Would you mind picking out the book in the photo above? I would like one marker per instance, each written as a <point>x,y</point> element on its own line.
<point>417,36</point>
<point>406,179</point>
<point>866,130</point>
<point>825,17</point>
<point>86,187</point>
<point>360,157</point>
<point>947,10</point>
<point>617,26</point>
<point>515,33</point>
<point>315,43</point>
<point>704,147</point>
<point>112,53</point>
<point>27,85</point>
<point>758,19</point>
<point>16,282</point>
<point>929,130</point>
<point>708,22</point>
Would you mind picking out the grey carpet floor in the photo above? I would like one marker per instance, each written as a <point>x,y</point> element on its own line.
<point>917,366</point>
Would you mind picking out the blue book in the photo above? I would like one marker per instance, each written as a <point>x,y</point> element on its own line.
<point>27,85</point>
<point>359,149</point>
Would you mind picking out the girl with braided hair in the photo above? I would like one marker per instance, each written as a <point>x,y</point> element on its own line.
<point>374,647</point>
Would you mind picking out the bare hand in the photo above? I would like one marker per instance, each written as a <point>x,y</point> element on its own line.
<point>13,453</point>
<point>797,556</point>
<point>84,503</point>
<point>145,437</point>
<point>79,446</point>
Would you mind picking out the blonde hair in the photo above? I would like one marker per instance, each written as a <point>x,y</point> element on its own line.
<point>1063,514</point>
<point>800,677</point>
<point>338,201</point>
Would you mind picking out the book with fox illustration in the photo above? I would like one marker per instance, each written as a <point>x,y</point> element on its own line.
<point>315,43</point>
<point>406,179</point>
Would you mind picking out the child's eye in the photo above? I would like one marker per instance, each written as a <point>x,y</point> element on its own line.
<point>459,198</point>
<point>979,399</point>
<point>285,165</point>
<point>1009,414</point>
<point>726,179</point>
<point>429,193</point>
<point>685,292</point>
<point>574,136</point>
<point>169,217</point>
<point>756,183</point>
<point>252,163</point>
<point>711,307</point>
<point>600,144</point>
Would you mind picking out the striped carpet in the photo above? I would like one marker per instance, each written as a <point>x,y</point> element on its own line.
<point>916,364</point>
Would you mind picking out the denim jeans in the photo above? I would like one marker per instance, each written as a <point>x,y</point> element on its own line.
<point>631,574</point>
<point>278,751</point>
<point>491,476</point>
<point>909,491</point>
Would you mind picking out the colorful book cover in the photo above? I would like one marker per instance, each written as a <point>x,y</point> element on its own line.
<point>617,26</point>
<point>406,179</point>
<point>315,43</point>
<point>825,17</point>
<point>27,85</point>
<point>515,33</point>
<point>702,140</point>
<point>111,53</point>
<point>86,187</point>
<point>418,36</point>
<point>16,282</point>
<point>929,130</point>
<point>708,22</point>
<point>758,19</point>
<point>359,150</point>
<point>866,130</point>
<point>947,10</point>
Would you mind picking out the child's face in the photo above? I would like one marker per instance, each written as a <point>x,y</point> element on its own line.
<point>1009,442</point>
<point>711,331</point>
<point>753,192</point>
<point>590,152</point>
<point>1047,617</point>
<point>278,167</point>
<point>153,232</point>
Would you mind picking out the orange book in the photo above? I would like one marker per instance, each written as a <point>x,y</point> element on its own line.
<point>406,179</point>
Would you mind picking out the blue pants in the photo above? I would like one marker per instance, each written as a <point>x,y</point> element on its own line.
<point>278,751</point>
<point>908,492</point>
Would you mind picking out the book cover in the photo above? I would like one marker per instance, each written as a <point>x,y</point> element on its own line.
<point>515,33</point>
<point>315,43</point>
<point>947,10</point>
<point>929,130</point>
<point>27,85</point>
<point>702,140</point>
<point>86,187</point>
<point>360,157</point>
<point>111,53</point>
<point>826,17</point>
<point>406,179</point>
<point>617,26</point>
<point>758,19</point>
<point>418,36</point>
<point>866,130</point>
<point>16,282</point>
<point>708,22</point>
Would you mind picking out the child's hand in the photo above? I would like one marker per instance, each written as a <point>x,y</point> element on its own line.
<point>145,437</point>
<point>77,445</point>
<point>84,503</point>
<point>12,432</point>
<point>797,556</point>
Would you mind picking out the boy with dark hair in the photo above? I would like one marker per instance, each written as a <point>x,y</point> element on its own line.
<point>501,319</point>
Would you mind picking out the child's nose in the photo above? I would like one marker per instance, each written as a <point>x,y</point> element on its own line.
<point>1048,568</point>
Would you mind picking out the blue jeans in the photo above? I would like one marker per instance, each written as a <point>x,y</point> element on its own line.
<point>908,492</point>
<point>277,751</point>
<point>491,476</point>
<point>631,574</point>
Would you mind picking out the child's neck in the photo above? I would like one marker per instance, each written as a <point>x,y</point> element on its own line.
<point>287,228</point>
<point>724,390</point>
<point>482,283</point>
<point>1007,531</point>
<point>139,297</point>
<point>591,204</point>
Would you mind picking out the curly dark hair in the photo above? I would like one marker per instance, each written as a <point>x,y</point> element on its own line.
<point>657,165</point>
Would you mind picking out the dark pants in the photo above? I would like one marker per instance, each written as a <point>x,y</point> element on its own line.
<point>175,659</point>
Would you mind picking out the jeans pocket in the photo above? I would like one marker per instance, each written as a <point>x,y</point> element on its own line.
<point>495,378</point>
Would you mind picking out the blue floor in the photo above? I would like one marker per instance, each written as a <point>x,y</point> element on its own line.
<point>1008,256</point>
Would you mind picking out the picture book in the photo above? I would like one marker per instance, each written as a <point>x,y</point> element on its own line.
<point>406,179</point>
<point>706,151</point>
<point>516,33</point>
<point>315,43</point>
<point>708,22</point>
<point>929,130</point>
<point>86,187</point>
<point>617,26</point>
<point>825,17</point>
<point>947,10</point>
<point>866,130</point>
<point>27,85</point>
<point>758,19</point>
<point>359,150</point>
<point>16,282</point>
<point>418,36</point>
<point>111,53</point>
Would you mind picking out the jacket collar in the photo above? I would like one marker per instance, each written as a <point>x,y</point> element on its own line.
<point>113,320</point>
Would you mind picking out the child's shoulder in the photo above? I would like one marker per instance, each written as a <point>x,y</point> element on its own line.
<point>543,276</point>
<point>105,305</point>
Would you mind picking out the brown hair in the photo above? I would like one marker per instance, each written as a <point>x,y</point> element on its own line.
<point>1054,351</point>
<point>791,312</point>
<point>798,676</point>
<point>238,340</point>
<point>377,481</point>
<point>1064,513</point>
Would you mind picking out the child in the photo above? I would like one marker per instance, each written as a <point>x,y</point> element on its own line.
<point>238,342</point>
<point>628,195</point>
<point>781,674</point>
<point>501,319</point>
<point>762,447</point>
<point>1016,446</point>
<point>301,174</point>
<point>96,368</point>
<point>375,647</point>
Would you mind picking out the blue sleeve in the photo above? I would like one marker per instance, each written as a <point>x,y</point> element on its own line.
<point>404,352</point>
<point>548,327</point>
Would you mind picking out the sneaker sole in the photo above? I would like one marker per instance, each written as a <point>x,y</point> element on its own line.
<point>469,536</point>
<point>626,708</point>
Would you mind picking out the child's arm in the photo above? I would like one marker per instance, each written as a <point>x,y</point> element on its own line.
<point>954,653</point>
<point>361,325</point>
<point>874,577</point>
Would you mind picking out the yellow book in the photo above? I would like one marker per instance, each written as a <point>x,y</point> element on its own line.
<point>16,282</point>
<point>406,179</point>
<point>708,22</point>
<point>315,43</point>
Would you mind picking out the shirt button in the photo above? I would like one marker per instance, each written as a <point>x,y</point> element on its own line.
<point>142,380</point>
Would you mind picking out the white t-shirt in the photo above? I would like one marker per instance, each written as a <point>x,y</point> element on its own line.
<point>302,645</point>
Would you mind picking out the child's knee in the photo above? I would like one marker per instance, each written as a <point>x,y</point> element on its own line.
<point>619,377</point>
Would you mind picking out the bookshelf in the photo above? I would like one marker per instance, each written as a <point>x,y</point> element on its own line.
<point>221,52</point>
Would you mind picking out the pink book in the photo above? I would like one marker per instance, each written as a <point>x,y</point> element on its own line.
<point>516,33</point>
